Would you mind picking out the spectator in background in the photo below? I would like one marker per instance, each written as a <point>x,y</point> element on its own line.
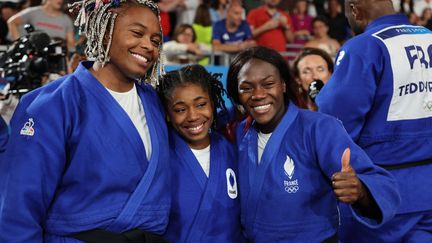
<point>429,24</point>
<point>420,5</point>
<point>302,22</point>
<point>183,48</point>
<point>233,33</point>
<point>302,27</point>
<point>218,10</point>
<point>311,64</point>
<point>271,27</point>
<point>251,4</point>
<point>321,38</point>
<point>203,27</point>
<point>413,18</point>
<point>165,7</point>
<point>185,11</point>
<point>425,17</point>
<point>7,10</point>
<point>403,6</point>
<point>338,24</point>
<point>48,18</point>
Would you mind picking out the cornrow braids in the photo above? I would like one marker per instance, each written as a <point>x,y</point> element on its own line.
<point>195,74</point>
<point>95,18</point>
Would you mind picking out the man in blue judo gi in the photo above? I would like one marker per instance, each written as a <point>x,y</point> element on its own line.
<point>86,158</point>
<point>381,90</point>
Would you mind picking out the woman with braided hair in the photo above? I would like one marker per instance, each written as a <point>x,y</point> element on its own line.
<point>205,205</point>
<point>86,160</point>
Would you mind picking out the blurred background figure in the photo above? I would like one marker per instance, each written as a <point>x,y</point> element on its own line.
<point>183,48</point>
<point>413,18</point>
<point>49,18</point>
<point>302,22</point>
<point>321,39</point>
<point>167,7</point>
<point>7,10</point>
<point>425,17</point>
<point>185,11</point>
<point>311,65</point>
<point>232,34</point>
<point>338,25</point>
<point>421,5</point>
<point>203,28</point>
<point>218,10</point>
<point>271,26</point>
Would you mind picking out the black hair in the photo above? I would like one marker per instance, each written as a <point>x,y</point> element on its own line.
<point>195,74</point>
<point>321,18</point>
<point>312,51</point>
<point>265,54</point>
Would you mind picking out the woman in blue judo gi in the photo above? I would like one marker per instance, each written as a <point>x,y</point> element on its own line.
<point>294,165</point>
<point>205,205</point>
<point>86,157</point>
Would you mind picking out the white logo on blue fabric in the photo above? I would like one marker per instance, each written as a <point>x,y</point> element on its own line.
<point>291,186</point>
<point>340,56</point>
<point>231,182</point>
<point>28,130</point>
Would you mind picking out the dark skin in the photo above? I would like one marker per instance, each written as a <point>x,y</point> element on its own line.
<point>261,92</point>
<point>361,12</point>
<point>349,189</point>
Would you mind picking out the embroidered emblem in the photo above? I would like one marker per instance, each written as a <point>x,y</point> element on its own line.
<point>291,186</point>
<point>28,130</point>
<point>231,183</point>
<point>289,167</point>
<point>427,105</point>
<point>340,56</point>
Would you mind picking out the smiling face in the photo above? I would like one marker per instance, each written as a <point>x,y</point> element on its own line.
<point>261,91</point>
<point>190,111</point>
<point>312,67</point>
<point>135,42</point>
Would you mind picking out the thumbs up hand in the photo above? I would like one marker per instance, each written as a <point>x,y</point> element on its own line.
<point>346,185</point>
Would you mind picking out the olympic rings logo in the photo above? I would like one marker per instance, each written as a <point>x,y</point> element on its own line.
<point>292,189</point>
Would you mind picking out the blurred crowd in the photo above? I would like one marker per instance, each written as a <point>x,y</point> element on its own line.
<point>195,29</point>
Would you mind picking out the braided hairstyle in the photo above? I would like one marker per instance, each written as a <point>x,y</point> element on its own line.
<point>198,75</point>
<point>96,20</point>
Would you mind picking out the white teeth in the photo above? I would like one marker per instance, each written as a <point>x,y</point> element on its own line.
<point>196,128</point>
<point>140,57</point>
<point>261,107</point>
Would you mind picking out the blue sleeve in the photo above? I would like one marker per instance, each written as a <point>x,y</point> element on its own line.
<point>330,141</point>
<point>36,159</point>
<point>247,30</point>
<point>4,135</point>
<point>350,92</point>
<point>217,31</point>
